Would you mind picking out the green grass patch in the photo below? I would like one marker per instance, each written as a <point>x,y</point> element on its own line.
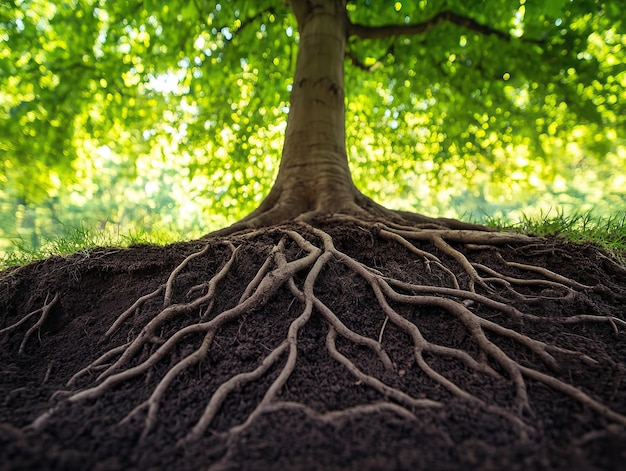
<point>608,233</point>
<point>81,239</point>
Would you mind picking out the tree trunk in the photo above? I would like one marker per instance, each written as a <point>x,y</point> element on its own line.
<point>314,177</point>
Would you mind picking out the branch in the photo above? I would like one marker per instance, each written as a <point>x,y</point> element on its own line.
<point>244,23</point>
<point>253,18</point>
<point>391,30</point>
<point>368,68</point>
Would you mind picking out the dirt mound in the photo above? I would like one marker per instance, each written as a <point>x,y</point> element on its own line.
<point>339,405</point>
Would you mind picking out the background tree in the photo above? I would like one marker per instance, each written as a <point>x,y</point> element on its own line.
<point>364,310</point>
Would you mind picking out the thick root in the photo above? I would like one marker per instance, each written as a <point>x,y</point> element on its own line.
<point>357,208</point>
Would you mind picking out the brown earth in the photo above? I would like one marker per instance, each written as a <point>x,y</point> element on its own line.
<point>95,287</point>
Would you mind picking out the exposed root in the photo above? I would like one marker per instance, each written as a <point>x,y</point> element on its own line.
<point>299,257</point>
<point>371,381</point>
<point>357,208</point>
<point>338,417</point>
<point>44,311</point>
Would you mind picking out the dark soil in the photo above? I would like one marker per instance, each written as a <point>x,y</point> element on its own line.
<point>95,287</point>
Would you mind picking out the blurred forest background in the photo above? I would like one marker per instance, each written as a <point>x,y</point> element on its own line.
<point>142,117</point>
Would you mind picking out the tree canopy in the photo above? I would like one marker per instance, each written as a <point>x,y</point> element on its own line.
<point>450,106</point>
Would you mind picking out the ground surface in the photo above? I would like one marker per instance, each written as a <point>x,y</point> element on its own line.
<point>559,432</point>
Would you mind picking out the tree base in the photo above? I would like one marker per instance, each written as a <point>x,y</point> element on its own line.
<point>459,345</point>
<point>275,211</point>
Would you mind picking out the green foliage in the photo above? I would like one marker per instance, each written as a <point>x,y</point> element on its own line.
<point>537,119</point>
<point>141,113</point>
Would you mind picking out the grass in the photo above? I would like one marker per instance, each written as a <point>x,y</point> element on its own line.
<point>80,239</point>
<point>606,233</point>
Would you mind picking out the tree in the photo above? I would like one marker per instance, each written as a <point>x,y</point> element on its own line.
<point>466,108</point>
<point>549,63</point>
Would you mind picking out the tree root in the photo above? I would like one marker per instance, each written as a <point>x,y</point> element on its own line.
<point>357,208</point>
<point>44,311</point>
<point>466,288</point>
